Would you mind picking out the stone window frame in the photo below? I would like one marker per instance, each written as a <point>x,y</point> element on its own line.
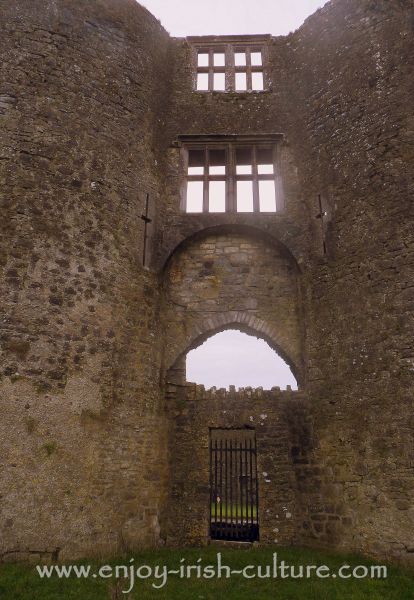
<point>230,143</point>
<point>229,46</point>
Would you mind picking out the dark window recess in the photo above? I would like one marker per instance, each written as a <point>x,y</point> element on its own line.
<point>234,500</point>
<point>232,178</point>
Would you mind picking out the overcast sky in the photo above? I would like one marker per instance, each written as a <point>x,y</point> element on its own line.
<point>203,17</point>
<point>234,358</point>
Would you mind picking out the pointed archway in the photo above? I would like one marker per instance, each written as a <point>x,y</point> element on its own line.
<point>235,358</point>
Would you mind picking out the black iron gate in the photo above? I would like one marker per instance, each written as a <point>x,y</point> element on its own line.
<point>234,502</point>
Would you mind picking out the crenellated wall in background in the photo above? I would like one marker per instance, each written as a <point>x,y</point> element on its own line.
<point>202,293</point>
<point>193,411</point>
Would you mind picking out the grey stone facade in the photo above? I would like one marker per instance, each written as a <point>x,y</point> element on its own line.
<point>93,98</point>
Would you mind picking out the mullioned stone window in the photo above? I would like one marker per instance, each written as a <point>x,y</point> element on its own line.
<point>233,64</point>
<point>238,174</point>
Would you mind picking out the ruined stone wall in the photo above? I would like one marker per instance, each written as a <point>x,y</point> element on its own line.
<point>231,278</point>
<point>82,97</point>
<point>193,411</point>
<point>89,115</point>
<point>341,88</point>
<point>350,88</point>
<point>233,113</point>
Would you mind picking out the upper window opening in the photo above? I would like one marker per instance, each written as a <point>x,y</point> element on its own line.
<point>265,165</point>
<point>202,82</point>
<point>219,59</point>
<point>231,177</point>
<point>203,59</point>
<point>248,66</point>
<point>220,82</point>
<point>241,82</point>
<point>256,59</point>
<point>240,59</point>
<point>230,68</point>
<point>257,81</point>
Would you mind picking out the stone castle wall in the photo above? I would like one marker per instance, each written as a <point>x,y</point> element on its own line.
<point>352,63</point>
<point>80,433</point>
<point>202,286</point>
<point>193,411</point>
<point>92,98</point>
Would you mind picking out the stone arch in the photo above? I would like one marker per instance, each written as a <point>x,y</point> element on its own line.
<point>243,322</point>
<point>232,277</point>
<point>229,228</point>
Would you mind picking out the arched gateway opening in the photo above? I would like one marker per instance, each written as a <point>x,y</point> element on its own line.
<point>230,360</point>
<point>235,358</point>
<point>230,450</point>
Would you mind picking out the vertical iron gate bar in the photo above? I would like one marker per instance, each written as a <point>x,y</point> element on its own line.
<point>221,488</point>
<point>215,487</point>
<point>251,483</point>
<point>246,479</point>
<point>226,528</point>
<point>231,486</point>
<point>257,488</point>
<point>210,447</point>
<point>236,479</point>
<point>244,483</point>
<point>234,506</point>
<point>239,478</point>
<point>247,483</point>
<point>241,485</point>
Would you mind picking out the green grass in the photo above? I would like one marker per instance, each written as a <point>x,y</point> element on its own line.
<point>228,510</point>
<point>19,582</point>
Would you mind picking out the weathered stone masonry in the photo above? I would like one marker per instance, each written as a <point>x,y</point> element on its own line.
<point>202,293</point>
<point>191,408</point>
<point>93,97</point>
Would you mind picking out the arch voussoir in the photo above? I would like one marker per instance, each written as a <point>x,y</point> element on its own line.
<point>245,322</point>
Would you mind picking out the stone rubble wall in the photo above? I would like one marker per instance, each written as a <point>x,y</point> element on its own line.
<point>227,277</point>
<point>192,411</point>
<point>92,98</point>
<point>82,87</point>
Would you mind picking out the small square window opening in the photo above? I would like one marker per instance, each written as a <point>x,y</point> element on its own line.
<point>241,82</point>
<point>202,82</point>
<point>219,59</point>
<point>203,59</point>
<point>219,82</point>
<point>195,170</point>
<point>195,197</point>
<point>256,59</point>
<point>217,197</point>
<point>244,196</point>
<point>265,169</point>
<point>257,82</point>
<point>267,196</point>
<point>240,59</point>
<point>217,170</point>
